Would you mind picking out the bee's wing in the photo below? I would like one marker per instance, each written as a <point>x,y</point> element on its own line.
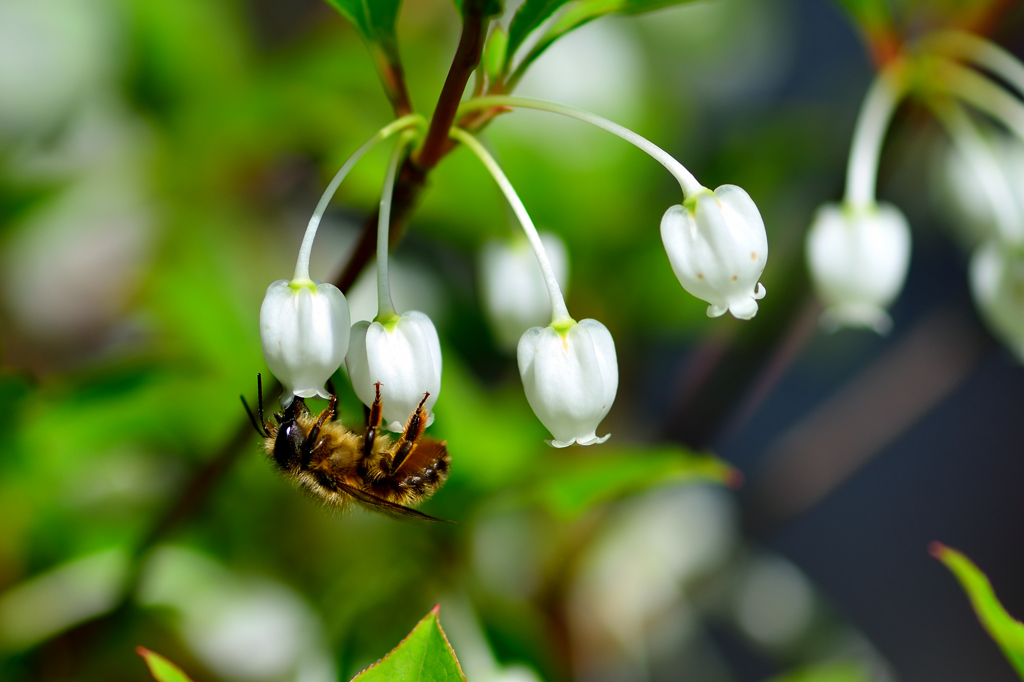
<point>380,504</point>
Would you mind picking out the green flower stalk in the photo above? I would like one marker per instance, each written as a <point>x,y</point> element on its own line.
<point>305,324</point>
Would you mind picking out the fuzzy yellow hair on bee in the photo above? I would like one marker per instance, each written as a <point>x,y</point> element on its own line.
<point>339,465</point>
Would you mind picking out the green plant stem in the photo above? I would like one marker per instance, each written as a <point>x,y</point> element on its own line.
<point>392,76</point>
<point>559,313</point>
<point>968,85</point>
<point>977,50</point>
<point>385,306</point>
<point>687,182</point>
<point>984,166</point>
<point>872,122</point>
<point>302,263</point>
<point>575,16</point>
<point>410,183</point>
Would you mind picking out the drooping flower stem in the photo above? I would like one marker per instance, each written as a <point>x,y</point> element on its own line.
<point>686,181</point>
<point>301,277</point>
<point>560,318</point>
<point>980,157</point>
<point>981,52</point>
<point>872,123</point>
<point>385,306</point>
<point>980,92</point>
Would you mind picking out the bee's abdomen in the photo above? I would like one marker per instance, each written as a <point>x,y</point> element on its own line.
<point>419,477</point>
<point>427,480</point>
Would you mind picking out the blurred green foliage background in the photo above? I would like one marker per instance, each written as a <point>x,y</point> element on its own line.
<point>158,162</point>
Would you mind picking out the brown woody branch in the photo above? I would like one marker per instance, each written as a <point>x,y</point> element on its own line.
<point>467,57</point>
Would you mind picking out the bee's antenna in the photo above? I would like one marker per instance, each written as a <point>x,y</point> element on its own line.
<point>259,396</point>
<point>252,418</point>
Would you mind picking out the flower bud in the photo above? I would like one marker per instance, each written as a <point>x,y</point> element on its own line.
<point>718,248</point>
<point>514,294</point>
<point>570,379</point>
<point>997,283</point>
<point>404,356</point>
<point>858,260</point>
<point>305,332</point>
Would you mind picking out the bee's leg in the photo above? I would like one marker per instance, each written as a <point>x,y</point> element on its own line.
<point>413,430</point>
<point>372,423</point>
<point>314,433</point>
<point>330,389</point>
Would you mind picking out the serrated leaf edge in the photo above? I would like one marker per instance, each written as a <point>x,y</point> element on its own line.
<point>432,614</point>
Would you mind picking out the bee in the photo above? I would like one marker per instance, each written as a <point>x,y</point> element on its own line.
<point>339,465</point>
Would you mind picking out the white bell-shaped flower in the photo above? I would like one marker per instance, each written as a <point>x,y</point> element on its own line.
<point>718,249</point>
<point>305,331</point>
<point>570,379</point>
<point>997,283</point>
<point>858,260</point>
<point>404,356</point>
<point>980,188</point>
<point>512,287</point>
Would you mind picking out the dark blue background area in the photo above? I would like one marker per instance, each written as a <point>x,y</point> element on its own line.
<point>954,475</point>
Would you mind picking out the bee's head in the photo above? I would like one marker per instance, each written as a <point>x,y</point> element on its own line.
<point>290,438</point>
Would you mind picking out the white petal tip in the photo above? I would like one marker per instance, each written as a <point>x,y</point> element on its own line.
<point>744,312</point>
<point>594,440</point>
<point>311,393</point>
<point>716,310</point>
<point>585,440</point>
<point>856,316</point>
<point>744,307</point>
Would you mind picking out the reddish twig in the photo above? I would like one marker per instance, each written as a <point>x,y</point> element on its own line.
<point>467,57</point>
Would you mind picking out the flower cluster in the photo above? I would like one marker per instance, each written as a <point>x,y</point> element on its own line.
<point>985,174</point>
<point>715,242</point>
<point>306,333</point>
<point>858,252</point>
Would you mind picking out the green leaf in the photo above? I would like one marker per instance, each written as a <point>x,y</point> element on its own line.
<point>1001,626</point>
<point>423,656</point>
<point>528,17</point>
<point>161,669</point>
<point>833,671</point>
<point>374,21</point>
<point>575,15</point>
<point>573,486</point>
<point>871,15</point>
<point>583,11</point>
<point>494,52</point>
